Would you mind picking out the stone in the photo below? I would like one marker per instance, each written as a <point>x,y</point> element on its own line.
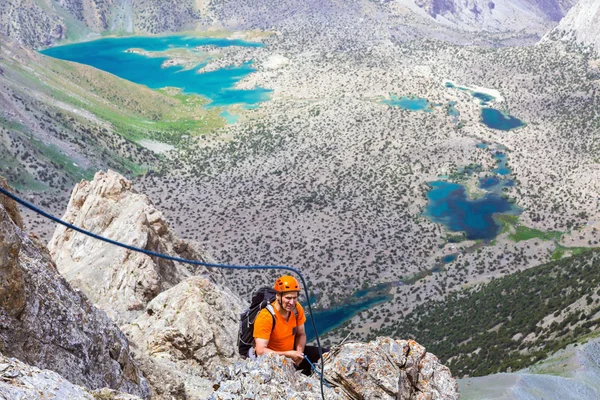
<point>268,377</point>
<point>45,323</point>
<point>21,381</point>
<point>382,369</point>
<point>118,280</point>
<point>389,369</point>
<point>186,332</point>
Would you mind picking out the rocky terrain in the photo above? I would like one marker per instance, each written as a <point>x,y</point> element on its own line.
<point>46,323</point>
<point>184,334</point>
<point>572,373</point>
<point>326,176</point>
<point>581,24</point>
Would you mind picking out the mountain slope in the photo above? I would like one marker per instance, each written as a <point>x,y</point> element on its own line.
<point>38,24</point>
<point>513,321</point>
<point>581,24</point>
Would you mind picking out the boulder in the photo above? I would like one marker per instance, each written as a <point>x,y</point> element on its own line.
<point>382,369</point>
<point>268,377</point>
<point>185,333</point>
<point>118,280</point>
<point>44,322</point>
<point>389,369</point>
<point>21,381</point>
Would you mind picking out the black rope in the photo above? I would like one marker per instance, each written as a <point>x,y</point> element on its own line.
<point>177,259</point>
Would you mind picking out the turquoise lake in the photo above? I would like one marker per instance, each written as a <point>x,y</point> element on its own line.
<point>448,205</point>
<point>110,55</point>
<point>361,300</point>
<point>495,119</point>
<point>449,258</point>
<point>409,103</point>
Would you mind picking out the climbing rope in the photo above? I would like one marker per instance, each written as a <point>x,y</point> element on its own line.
<point>316,370</point>
<point>177,259</point>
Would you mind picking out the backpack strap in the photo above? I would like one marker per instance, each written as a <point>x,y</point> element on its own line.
<point>271,310</point>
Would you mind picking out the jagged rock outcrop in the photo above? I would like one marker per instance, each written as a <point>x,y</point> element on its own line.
<point>185,333</point>
<point>581,24</point>
<point>44,322</point>
<point>269,377</point>
<point>21,381</point>
<point>382,369</point>
<point>181,321</point>
<point>118,280</point>
<point>388,369</point>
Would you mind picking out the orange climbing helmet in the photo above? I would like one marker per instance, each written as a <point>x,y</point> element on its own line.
<point>286,283</point>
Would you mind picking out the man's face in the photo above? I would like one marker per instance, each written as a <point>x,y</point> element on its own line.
<point>288,300</point>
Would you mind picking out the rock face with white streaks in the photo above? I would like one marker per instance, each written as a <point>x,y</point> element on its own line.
<point>118,280</point>
<point>382,369</point>
<point>44,322</point>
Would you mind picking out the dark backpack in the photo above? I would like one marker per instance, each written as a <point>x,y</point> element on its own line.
<point>262,298</point>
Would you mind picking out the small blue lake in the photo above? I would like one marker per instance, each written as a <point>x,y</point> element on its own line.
<point>110,55</point>
<point>495,119</point>
<point>502,168</point>
<point>449,258</point>
<point>448,205</point>
<point>485,98</point>
<point>482,145</point>
<point>408,103</point>
<point>361,300</point>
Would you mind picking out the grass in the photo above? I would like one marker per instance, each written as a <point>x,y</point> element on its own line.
<point>560,251</point>
<point>519,232</point>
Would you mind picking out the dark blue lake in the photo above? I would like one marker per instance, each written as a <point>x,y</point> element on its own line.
<point>449,258</point>
<point>495,119</point>
<point>329,319</point>
<point>110,55</point>
<point>488,182</point>
<point>449,205</point>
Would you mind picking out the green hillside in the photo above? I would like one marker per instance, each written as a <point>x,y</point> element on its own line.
<point>511,322</point>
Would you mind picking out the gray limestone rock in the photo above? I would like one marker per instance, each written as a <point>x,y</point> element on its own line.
<point>119,281</point>
<point>382,369</point>
<point>389,369</point>
<point>268,377</point>
<point>21,381</point>
<point>185,333</point>
<point>44,322</point>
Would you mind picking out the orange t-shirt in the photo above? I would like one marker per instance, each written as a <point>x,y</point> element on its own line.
<point>282,337</point>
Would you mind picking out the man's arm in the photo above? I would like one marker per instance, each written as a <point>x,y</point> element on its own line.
<point>300,338</point>
<point>261,348</point>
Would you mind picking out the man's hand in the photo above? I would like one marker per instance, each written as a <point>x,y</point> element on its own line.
<point>296,356</point>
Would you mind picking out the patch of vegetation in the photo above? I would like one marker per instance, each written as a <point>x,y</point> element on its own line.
<point>519,232</point>
<point>482,331</point>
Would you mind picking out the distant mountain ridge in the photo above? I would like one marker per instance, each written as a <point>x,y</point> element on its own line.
<point>40,24</point>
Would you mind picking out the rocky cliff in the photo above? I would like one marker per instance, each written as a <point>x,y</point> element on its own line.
<point>44,322</point>
<point>581,24</point>
<point>181,320</point>
<point>120,281</point>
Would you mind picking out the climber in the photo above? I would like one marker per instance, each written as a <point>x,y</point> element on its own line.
<point>287,337</point>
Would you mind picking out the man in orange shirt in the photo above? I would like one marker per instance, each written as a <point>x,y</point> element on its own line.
<point>287,337</point>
